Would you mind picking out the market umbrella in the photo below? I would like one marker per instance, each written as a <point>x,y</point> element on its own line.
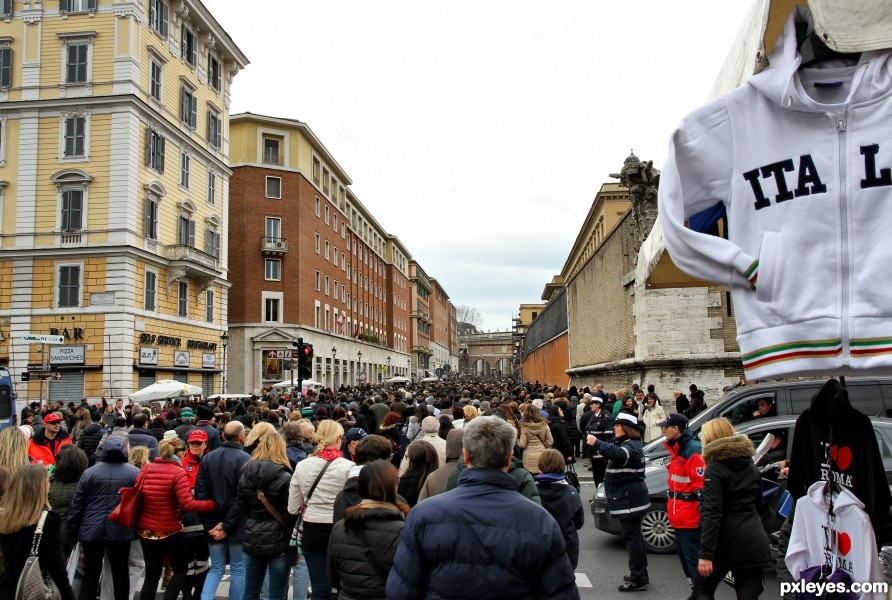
<point>165,389</point>
<point>306,383</point>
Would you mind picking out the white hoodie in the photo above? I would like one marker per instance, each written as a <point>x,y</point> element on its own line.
<point>801,160</point>
<point>853,546</point>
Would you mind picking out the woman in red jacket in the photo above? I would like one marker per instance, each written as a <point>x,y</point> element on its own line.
<point>165,492</point>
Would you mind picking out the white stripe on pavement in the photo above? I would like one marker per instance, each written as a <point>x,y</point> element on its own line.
<point>582,581</point>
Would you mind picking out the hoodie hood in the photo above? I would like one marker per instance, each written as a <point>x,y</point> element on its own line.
<point>844,499</point>
<point>736,446</point>
<point>786,84</point>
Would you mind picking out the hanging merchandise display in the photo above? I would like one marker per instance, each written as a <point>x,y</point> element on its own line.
<point>800,159</point>
<point>831,531</point>
<point>833,441</point>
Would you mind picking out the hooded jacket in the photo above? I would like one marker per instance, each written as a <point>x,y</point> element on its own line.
<point>686,470</point>
<point>562,502</point>
<point>43,451</point>
<point>731,532</point>
<point>89,439</point>
<point>799,159</point>
<point>855,550</point>
<point>263,534</point>
<point>98,493</point>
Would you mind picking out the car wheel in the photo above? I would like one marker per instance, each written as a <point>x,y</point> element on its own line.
<point>659,537</point>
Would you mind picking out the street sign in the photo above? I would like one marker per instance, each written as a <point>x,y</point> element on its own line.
<point>36,338</point>
<point>44,375</point>
<point>438,372</point>
<point>278,354</point>
<point>447,368</point>
<point>38,367</point>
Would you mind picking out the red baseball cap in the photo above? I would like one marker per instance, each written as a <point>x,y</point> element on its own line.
<point>197,435</point>
<point>52,418</point>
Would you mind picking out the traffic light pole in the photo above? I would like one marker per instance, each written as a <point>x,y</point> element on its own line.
<point>299,343</point>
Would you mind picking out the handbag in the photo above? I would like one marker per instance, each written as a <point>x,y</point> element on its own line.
<point>571,476</point>
<point>297,533</point>
<point>278,517</point>
<point>127,512</point>
<point>33,583</point>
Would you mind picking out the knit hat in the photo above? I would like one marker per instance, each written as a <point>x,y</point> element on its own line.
<point>204,413</point>
<point>169,435</point>
<point>187,414</point>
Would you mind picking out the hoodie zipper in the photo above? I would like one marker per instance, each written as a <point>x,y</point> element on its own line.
<point>844,234</point>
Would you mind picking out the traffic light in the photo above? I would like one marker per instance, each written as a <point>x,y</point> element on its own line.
<point>305,361</point>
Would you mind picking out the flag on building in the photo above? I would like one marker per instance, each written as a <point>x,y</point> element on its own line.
<point>341,322</point>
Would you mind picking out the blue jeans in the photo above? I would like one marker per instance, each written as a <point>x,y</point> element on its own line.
<point>219,552</point>
<point>687,542</point>
<point>316,564</point>
<point>300,580</point>
<point>279,567</point>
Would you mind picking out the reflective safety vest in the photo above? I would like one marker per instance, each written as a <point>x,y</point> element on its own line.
<point>686,471</point>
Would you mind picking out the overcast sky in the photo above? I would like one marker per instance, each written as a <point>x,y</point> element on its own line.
<point>479,132</point>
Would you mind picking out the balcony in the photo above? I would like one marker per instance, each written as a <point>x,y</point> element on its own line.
<point>273,246</point>
<point>193,262</point>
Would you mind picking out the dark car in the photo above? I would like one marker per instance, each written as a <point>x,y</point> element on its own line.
<point>870,395</point>
<point>659,537</point>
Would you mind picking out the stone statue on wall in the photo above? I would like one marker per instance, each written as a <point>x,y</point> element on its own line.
<point>643,182</point>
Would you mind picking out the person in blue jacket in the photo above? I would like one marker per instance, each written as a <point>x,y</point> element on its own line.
<point>96,496</point>
<point>499,546</point>
<point>627,496</point>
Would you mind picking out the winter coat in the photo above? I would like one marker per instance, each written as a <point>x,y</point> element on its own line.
<point>320,509</point>
<point>348,496</point>
<point>16,547</point>
<point>499,545</point>
<point>60,499</point>
<point>218,478</point>
<point>295,453</point>
<point>410,486</point>
<point>360,557</point>
<point>651,417</point>
<point>157,433</point>
<point>732,535</point>
<point>624,485</point>
<point>263,534</point>
<point>89,439</point>
<point>139,436</point>
<point>398,443</point>
<point>561,436</point>
<point>685,472</point>
<point>165,492</point>
<point>562,502</point>
<point>698,404</point>
<point>43,451</point>
<point>533,439</point>
<point>97,495</point>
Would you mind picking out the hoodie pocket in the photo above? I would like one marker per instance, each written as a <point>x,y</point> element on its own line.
<point>766,283</point>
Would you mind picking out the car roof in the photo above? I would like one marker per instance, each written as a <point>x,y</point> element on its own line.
<point>789,420</point>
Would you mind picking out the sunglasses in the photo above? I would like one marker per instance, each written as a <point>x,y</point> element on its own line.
<point>195,443</point>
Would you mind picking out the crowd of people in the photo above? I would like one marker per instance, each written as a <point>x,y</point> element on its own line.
<point>346,493</point>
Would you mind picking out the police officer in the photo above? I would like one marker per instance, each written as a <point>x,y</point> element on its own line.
<point>600,425</point>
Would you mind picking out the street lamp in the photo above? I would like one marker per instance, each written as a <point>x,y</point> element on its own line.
<point>388,366</point>
<point>358,365</point>
<point>224,341</point>
<point>334,352</point>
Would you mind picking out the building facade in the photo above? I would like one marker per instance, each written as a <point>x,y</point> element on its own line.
<point>114,193</point>
<point>309,261</point>
<point>421,320</point>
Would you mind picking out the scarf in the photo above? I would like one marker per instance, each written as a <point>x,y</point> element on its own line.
<point>329,454</point>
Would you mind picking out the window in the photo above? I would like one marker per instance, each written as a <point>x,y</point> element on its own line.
<point>155,150</point>
<point>69,286</point>
<point>327,250</point>
<point>316,168</point>
<point>6,8</point>
<point>151,290</point>
<point>186,231</point>
<point>327,285</point>
<point>215,74</point>
<point>335,224</point>
<point>158,16</point>
<point>335,290</point>
<point>5,67</point>
<point>215,129</point>
<point>209,306</point>
<point>271,151</point>
<point>271,310</point>
<point>272,269</point>
<point>317,207</point>
<point>74,136</point>
<point>76,63</point>
<point>274,228</point>
<point>152,208</point>
<point>183,299</point>
<point>325,178</point>
<point>318,245</point>
<point>185,165</point>
<point>318,281</point>
<point>189,46</point>
<point>274,187</point>
<point>76,5</point>
<point>72,210</point>
<point>155,81</point>
<point>212,242</point>
<point>212,187</point>
<point>188,108</point>
<point>327,214</point>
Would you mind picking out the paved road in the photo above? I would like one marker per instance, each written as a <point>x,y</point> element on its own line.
<point>603,562</point>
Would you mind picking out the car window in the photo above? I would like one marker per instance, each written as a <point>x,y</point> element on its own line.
<point>866,397</point>
<point>801,398</point>
<point>746,409</point>
<point>882,443</point>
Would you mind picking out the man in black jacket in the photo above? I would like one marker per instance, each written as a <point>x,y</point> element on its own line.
<point>218,476</point>
<point>140,436</point>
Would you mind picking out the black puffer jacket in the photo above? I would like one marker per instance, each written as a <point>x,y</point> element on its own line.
<point>359,558</point>
<point>263,535</point>
<point>60,499</point>
<point>89,440</point>
<point>731,530</point>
